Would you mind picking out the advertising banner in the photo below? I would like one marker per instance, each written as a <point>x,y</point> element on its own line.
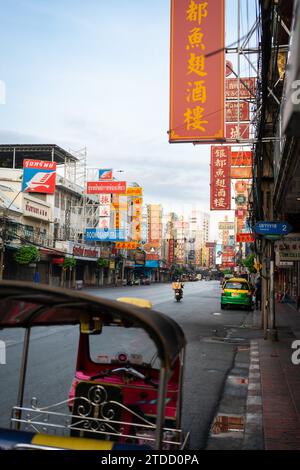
<point>234,131</point>
<point>197,71</point>
<point>226,225</point>
<point>104,235</point>
<point>220,188</point>
<point>218,254</point>
<point>244,172</point>
<point>104,210</point>
<point>39,176</point>
<point>171,251</point>
<point>137,219</point>
<point>104,222</point>
<point>247,88</point>
<point>36,209</point>
<point>103,187</point>
<point>104,199</point>
<point>126,245</point>
<point>231,111</point>
<point>134,191</point>
<point>241,158</point>
<point>245,238</point>
<point>106,174</point>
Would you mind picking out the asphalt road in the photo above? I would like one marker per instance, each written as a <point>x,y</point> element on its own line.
<point>209,358</point>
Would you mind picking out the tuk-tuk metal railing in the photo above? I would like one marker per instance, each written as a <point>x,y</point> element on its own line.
<point>49,420</point>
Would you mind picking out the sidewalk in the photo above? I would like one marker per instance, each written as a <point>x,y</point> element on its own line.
<point>274,384</point>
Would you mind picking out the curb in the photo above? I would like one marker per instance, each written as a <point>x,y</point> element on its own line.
<point>254,409</point>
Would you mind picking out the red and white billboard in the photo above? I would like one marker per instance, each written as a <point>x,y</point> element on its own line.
<point>236,131</point>
<point>105,187</point>
<point>241,172</point>
<point>197,71</point>
<point>220,190</point>
<point>247,88</point>
<point>231,111</point>
<point>245,238</point>
<point>39,176</point>
<point>241,158</point>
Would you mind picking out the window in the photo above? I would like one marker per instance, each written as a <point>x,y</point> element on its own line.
<point>237,285</point>
<point>28,232</point>
<point>56,200</point>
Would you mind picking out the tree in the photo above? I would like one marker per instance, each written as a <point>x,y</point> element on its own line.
<point>27,254</point>
<point>249,263</point>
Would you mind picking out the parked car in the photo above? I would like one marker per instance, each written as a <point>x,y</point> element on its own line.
<point>225,278</point>
<point>237,291</point>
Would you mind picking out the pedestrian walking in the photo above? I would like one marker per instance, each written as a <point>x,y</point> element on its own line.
<point>258,294</point>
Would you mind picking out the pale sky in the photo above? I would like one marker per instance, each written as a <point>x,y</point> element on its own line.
<point>95,74</point>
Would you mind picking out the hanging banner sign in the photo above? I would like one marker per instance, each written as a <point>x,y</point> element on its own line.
<point>234,131</point>
<point>220,188</point>
<point>244,172</point>
<point>126,245</point>
<point>245,238</point>
<point>231,111</point>
<point>197,71</point>
<point>104,222</point>
<point>241,158</point>
<point>134,191</point>
<point>103,187</point>
<point>247,88</point>
<point>104,199</point>
<point>104,210</point>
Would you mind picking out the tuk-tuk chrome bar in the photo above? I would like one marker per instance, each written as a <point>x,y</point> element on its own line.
<point>40,412</point>
<point>22,378</point>
<point>162,389</point>
<point>180,388</point>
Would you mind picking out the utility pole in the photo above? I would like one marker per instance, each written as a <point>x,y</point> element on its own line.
<point>272,331</point>
<point>5,213</point>
<point>2,248</point>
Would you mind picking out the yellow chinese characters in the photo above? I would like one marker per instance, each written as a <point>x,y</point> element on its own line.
<point>196,97</point>
<point>197,11</point>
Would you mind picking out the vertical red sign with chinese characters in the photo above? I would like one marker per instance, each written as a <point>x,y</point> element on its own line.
<point>197,71</point>
<point>220,189</point>
<point>171,253</point>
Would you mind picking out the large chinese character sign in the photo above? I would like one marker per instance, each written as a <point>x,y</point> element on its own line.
<point>197,71</point>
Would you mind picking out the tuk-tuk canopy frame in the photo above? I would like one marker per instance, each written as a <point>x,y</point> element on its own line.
<point>26,305</point>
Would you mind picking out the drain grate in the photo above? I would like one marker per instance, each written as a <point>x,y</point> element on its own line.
<point>228,423</point>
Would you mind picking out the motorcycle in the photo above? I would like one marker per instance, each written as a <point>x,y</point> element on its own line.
<point>178,295</point>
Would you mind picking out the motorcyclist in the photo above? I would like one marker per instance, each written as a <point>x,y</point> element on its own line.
<point>178,286</point>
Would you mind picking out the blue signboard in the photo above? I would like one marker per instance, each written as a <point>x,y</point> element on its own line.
<point>104,235</point>
<point>273,228</point>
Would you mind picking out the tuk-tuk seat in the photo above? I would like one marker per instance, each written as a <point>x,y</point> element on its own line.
<point>22,440</point>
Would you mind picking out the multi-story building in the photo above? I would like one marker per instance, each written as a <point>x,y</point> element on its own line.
<point>54,223</point>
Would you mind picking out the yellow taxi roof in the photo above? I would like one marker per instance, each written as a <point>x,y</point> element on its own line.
<point>144,303</point>
<point>237,279</point>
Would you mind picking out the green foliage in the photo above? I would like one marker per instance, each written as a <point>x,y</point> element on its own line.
<point>27,254</point>
<point>69,263</point>
<point>102,263</point>
<point>226,271</point>
<point>249,263</point>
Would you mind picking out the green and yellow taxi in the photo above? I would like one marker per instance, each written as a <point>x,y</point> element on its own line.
<point>236,291</point>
